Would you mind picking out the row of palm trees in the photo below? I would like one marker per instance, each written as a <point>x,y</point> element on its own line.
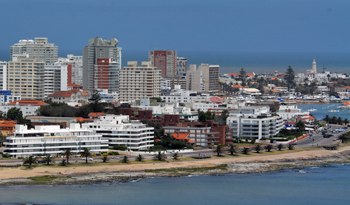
<point>336,120</point>
<point>48,159</point>
<point>219,150</point>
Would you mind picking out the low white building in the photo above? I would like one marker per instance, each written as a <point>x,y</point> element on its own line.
<point>290,111</point>
<point>254,123</point>
<point>52,140</point>
<point>27,110</point>
<point>120,131</point>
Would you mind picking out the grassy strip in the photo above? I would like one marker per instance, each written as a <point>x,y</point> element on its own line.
<point>194,169</point>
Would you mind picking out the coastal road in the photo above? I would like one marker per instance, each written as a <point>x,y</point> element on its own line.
<point>317,139</point>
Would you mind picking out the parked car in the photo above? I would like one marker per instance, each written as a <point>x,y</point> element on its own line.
<point>89,159</point>
<point>328,135</point>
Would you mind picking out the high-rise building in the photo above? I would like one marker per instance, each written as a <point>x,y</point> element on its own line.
<point>194,79</point>
<point>181,67</point>
<point>138,82</point>
<point>314,70</point>
<point>74,68</point>
<point>98,48</point>
<point>40,49</point>
<point>106,75</point>
<point>55,79</point>
<point>211,75</point>
<point>26,77</point>
<point>163,60</point>
<point>3,75</point>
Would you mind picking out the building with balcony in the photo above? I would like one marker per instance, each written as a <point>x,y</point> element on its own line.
<point>290,111</point>
<point>254,123</point>
<point>52,140</point>
<point>165,61</point>
<point>139,82</point>
<point>119,130</point>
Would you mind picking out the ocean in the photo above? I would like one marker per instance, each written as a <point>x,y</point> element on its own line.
<point>232,62</point>
<point>323,110</point>
<point>306,185</point>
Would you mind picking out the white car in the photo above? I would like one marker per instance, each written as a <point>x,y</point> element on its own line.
<point>89,159</point>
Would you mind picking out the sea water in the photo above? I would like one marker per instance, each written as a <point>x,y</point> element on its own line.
<point>323,110</point>
<point>306,185</point>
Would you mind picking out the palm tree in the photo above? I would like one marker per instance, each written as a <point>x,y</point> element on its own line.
<point>63,163</point>
<point>67,153</point>
<point>175,155</point>
<point>327,118</point>
<point>257,148</point>
<point>269,147</point>
<point>346,121</point>
<point>105,158</point>
<point>159,157</point>
<point>139,158</point>
<point>245,150</point>
<point>29,160</point>
<point>280,147</point>
<point>340,121</point>
<point>232,149</point>
<point>48,159</point>
<point>218,150</point>
<point>290,147</point>
<point>86,154</point>
<point>125,159</point>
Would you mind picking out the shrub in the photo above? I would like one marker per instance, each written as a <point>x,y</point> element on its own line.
<point>245,150</point>
<point>113,153</point>
<point>63,163</point>
<point>125,159</point>
<point>268,147</point>
<point>290,147</point>
<point>120,147</point>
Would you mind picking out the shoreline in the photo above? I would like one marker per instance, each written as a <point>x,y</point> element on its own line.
<point>214,166</point>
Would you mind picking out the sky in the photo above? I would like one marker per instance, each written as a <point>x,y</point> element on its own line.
<point>237,26</point>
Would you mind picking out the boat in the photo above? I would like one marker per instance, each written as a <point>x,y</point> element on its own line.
<point>333,111</point>
<point>312,110</point>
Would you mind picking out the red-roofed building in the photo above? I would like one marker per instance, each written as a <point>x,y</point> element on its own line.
<point>71,86</point>
<point>96,114</point>
<point>182,137</point>
<point>7,127</point>
<point>216,99</point>
<point>73,95</point>
<point>28,102</point>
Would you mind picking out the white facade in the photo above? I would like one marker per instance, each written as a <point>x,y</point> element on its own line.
<point>3,75</point>
<point>53,141</point>
<point>204,106</point>
<point>249,126</point>
<point>137,82</point>
<point>181,67</point>
<point>40,49</point>
<point>75,64</point>
<point>27,110</point>
<point>290,111</point>
<point>55,78</point>
<point>120,131</point>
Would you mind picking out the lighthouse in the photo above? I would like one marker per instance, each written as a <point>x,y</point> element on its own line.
<point>314,66</point>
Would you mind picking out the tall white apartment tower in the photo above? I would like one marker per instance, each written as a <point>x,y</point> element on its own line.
<point>3,75</point>
<point>139,82</point>
<point>40,49</point>
<point>314,70</point>
<point>99,48</point>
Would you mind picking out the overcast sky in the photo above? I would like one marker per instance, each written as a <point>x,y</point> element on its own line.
<point>185,25</point>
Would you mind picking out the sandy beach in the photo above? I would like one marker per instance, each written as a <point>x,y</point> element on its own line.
<point>241,164</point>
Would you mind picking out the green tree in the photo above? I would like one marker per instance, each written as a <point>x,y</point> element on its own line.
<point>125,159</point>
<point>139,158</point>
<point>300,125</point>
<point>175,156</point>
<point>327,118</point>
<point>95,101</point>
<point>269,147</point>
<point>14,114</point>
<point>105,158</point>
<point>258,148</point>
<point>340,121</point>
<point>29,160</point>
<point>159,157</point>
<point>290,147</point>
<point>232,149</point>
<point>86,154</point>
<point>346,121</point>
<point>63,163</point>
<point>67,153</point>
<point>48,159</point>
<point>289,77</point>
<point>245,150</point>
<point>280,147</point>
<point>218,150</point>
<point>224,116</point>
